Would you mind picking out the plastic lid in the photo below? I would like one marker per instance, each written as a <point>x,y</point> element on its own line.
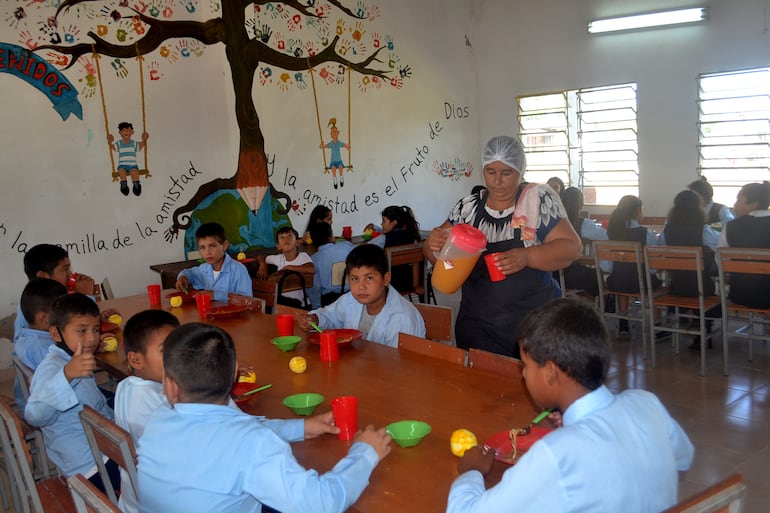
<point>468,238</point>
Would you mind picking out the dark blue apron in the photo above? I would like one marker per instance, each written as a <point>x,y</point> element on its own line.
<point>490,312</point>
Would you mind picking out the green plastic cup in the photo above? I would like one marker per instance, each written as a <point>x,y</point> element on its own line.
<point>408,433</point>
<point>303,404</point>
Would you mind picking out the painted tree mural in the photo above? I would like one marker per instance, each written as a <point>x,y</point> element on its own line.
<point>327,36</point>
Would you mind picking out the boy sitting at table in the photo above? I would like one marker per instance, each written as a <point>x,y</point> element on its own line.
<point>219,272</point>
<point>139,395</point>
<point>372,306</point>
<point>228,461</point>
<point>613,452</point>
<point>63,383</point>
<point>290,258</point>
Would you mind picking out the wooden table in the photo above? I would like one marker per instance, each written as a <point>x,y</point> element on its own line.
<point>391,385</point>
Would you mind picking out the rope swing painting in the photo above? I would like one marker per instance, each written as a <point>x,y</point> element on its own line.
<point>278,43</point>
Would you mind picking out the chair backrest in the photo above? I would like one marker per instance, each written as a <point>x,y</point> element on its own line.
<point>495,363</point>
<point>726,496</point>
<point>433,349</point>
<point>675,258</point>
<point>744,260</point>
<point>106,437</point>
<point>107,289</point>
<point>438,321</point>
<point>88,498</point>
<point>405,254</point>
<point>255,304</point>
<point>23,374</point>
<point>619,252</point>
<point>338,275</point>
<point>19,462</point>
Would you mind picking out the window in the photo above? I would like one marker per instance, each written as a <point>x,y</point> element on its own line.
<point>586,137</point>
<point>734,130</point>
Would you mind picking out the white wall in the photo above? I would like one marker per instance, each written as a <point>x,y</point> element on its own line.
<point>55,183</point>
<point>526,50</point>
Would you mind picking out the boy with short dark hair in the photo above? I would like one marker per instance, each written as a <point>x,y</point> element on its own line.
<point>32,344</point>
<point>612,452</point>
<point>139,395</point>
<point>63,383</point>
<point>372,306</point>
<point>219,273</point>
<point>227,461</point>
<point>329,253</point>
<point>53,262</point>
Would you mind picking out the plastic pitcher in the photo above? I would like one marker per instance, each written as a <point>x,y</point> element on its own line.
<point>457,258</point>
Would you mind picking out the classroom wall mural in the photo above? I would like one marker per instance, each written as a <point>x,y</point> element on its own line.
<point>304,45</point>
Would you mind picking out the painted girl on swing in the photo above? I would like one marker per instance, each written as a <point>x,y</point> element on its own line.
<point>335,162</point>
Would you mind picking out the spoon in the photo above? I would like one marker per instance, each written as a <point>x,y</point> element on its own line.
<point>265,387</point>
<point>315,327</point>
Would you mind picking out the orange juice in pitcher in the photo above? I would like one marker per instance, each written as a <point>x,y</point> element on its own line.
<point>456,259</point>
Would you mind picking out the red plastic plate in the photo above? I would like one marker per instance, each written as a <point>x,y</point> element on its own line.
<point>219,312</point>
<point>501,443</point>
<point>240,389</point>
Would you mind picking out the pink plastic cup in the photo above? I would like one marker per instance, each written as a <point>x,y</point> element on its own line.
<point>285,323</point>
<point>203,301</point>
<point>329,350</point>
<point>495,273</point>
<point>345,413</point>
<point>153,292</point>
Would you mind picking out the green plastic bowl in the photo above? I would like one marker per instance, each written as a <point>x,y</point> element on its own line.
<point>408,433</point>
<point>303,404</point>
<point>286,343</point>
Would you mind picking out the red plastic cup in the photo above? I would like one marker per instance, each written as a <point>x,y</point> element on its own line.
<point>203,301</point>
<point>347,232</point>
<point>329,350</point>
<point>153,292</point>
<point>345,413</point>
<point>495,274</point>
<point>285,323</point>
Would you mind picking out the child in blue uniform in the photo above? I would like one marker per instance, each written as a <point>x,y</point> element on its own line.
<point>219,273</point>
<point>228,461</point>
<point>611,451</point>
<point>372,306</point>
<point>63,383</point>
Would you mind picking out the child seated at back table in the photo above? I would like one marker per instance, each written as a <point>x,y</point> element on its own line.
<point>228,461</point>
<point>290,258</point>
<point>372,306</point>
<point>330,251</point>
<point>63,383</point>
<point>32,342</point>
<point>612,452</point>
<point>139,395</point>
<point>219,273</point>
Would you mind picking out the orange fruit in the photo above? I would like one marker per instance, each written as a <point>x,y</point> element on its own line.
<point>247,377</point>
<point>241,256</point>
<point>298,365</point>
<point>462,440</point>
<point>108,344</point>
<point>115,319</point>
<point>176,301</point>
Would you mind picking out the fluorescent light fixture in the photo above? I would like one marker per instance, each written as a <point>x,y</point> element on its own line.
<point>648,20</point>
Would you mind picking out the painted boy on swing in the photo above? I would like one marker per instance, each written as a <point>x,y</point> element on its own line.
<point>335,163</point>
<point>127,149</point>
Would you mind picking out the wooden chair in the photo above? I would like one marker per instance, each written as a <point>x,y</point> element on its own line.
<point>628,252</point>
<point>409,254</point>
<point>433,349</point>
<point>88,498</point>
<point>254,304</point>
<point>438,321</point>
<point>726,496</point>
<point>679,258</point>
<point>106,437</point>
<point>495,363</point>
<point>748,261</point>
<point>45,496</point>
<point>32,435</point>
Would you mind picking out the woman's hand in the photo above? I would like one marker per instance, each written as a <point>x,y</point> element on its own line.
<point>513,260</point>
<point>437,238</point>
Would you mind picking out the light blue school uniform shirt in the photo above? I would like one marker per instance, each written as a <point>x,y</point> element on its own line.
<point>54,406</point>
<point>725,214</point>
<point>398,315</point>
<point>613,453</point>
<point>232,278</point>
<point>31,346</point>
<point>230,462</point>
<point>323,260</point>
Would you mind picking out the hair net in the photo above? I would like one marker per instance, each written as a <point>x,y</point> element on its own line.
<point>507,150</point>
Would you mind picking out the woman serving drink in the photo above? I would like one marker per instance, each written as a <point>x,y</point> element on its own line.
<point>527,227</point>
